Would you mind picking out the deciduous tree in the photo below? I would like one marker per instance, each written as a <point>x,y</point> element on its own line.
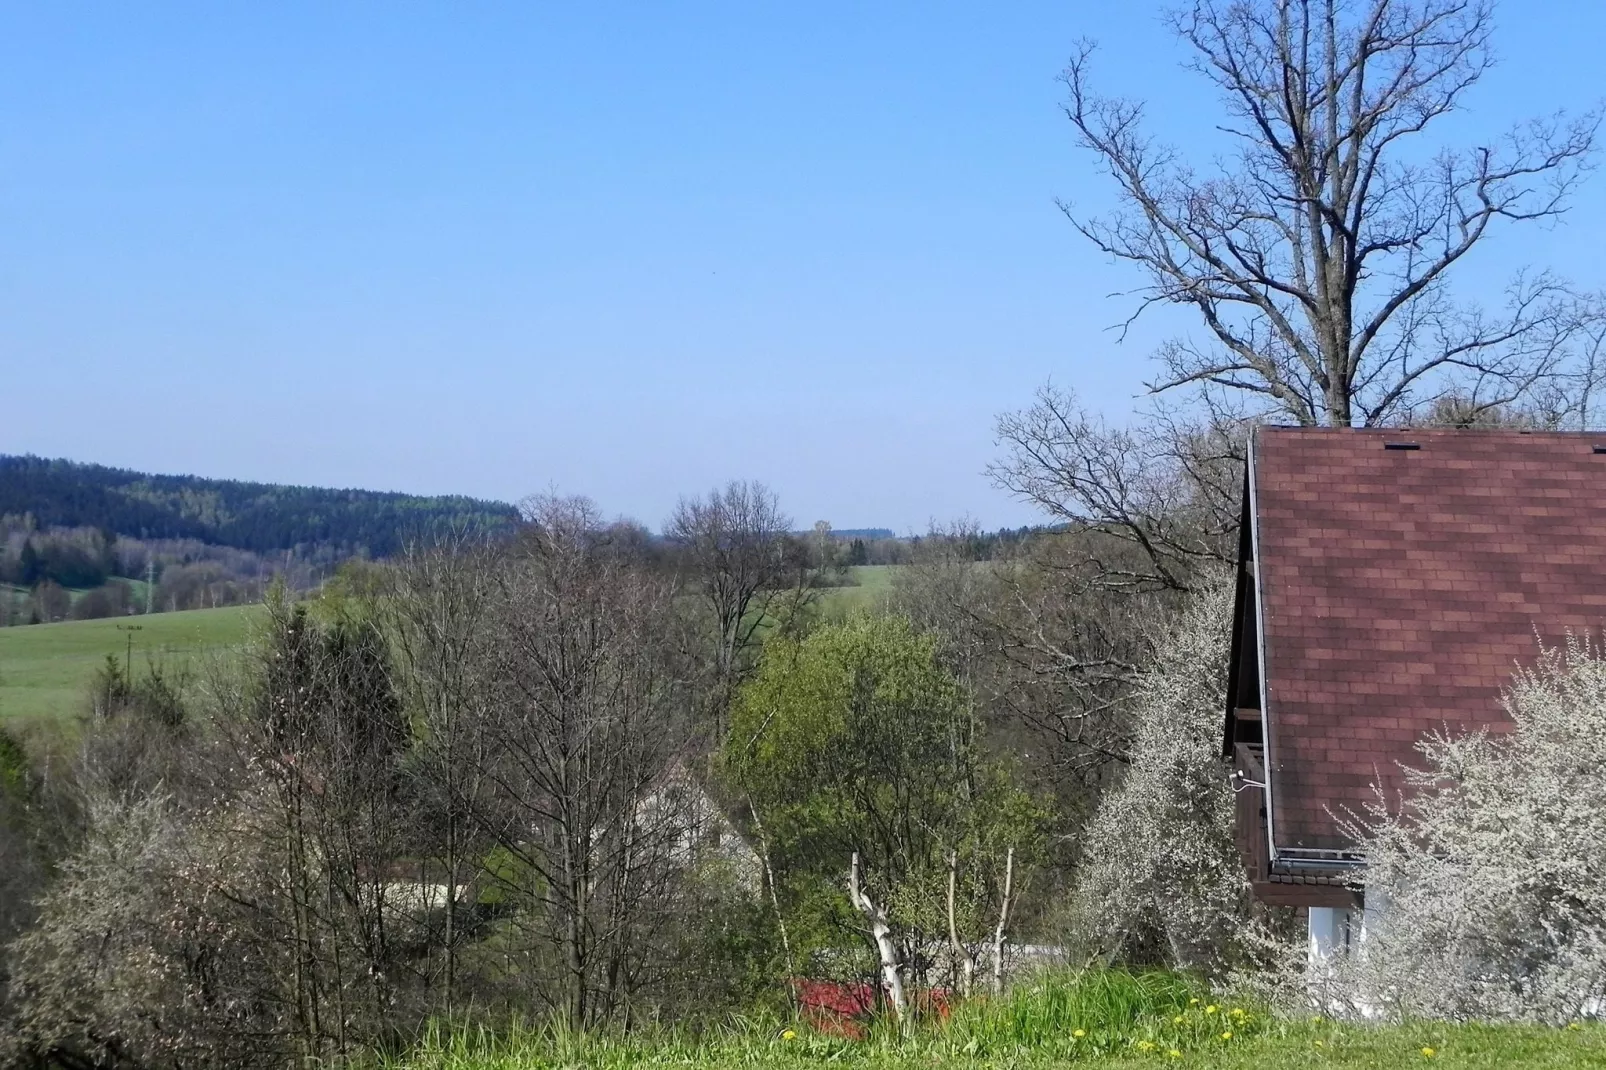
<point>588,714</point>
<point>735,544</point>
<point>1319,253</point>
<point>860,753</point>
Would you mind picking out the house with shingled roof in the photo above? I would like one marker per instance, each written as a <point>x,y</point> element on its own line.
<point>1389,584</point>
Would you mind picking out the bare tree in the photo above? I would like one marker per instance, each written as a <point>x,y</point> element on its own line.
<point>1588,374</point>
<point>1150,514</point>
<point>1320,262</point>
<point>437,610</point>
<point>737,547</point>
<point>1160,499</point>
<point>586,721</point>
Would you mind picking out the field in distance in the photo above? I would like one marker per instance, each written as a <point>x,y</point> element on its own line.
<point>45,669</point>
<point>874,582</point>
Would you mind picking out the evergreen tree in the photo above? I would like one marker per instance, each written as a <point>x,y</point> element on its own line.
<point>28,567</point>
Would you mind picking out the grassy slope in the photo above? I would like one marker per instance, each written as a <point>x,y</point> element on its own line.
<point>1303,1046</point>
<point>45,668</point>
<point>1102,1018</point>
<point>874,581</point>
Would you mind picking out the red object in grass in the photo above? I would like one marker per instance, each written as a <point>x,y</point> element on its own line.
<point>844,1009</point>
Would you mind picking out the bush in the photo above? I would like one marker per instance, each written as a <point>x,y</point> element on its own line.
<point>1161,880</point>
<point>1488,885</point>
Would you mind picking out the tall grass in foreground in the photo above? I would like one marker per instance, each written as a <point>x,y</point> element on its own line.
<point>1071,1013</point>
<point>1110,1017</point>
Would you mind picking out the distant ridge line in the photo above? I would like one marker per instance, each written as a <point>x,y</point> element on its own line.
<point>261,517</point>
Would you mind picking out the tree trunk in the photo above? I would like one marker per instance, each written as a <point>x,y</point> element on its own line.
<point>881,934</point>
<point>1003,922</point>
<point>775,897</point>
<point>962,955</point>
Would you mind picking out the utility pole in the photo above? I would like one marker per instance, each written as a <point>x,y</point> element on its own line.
<point>150,582</point>
<point>128,655</point>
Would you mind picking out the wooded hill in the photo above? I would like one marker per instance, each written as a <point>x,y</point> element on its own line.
<point>259,517</point>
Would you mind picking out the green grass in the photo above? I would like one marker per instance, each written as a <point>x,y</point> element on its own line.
<point>1124,1021</point>
<point>873,584</point>
<point>1358,1048</point>
<point>45,669</point>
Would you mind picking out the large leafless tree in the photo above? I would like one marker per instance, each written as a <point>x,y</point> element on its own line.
<point>741,559</point>
<point>1318,255</point>
<point>585,724</point>
<point>437,609</point>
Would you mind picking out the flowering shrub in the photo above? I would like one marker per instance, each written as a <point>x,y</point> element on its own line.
<point>1488,885</point>
<point>1161,875</point>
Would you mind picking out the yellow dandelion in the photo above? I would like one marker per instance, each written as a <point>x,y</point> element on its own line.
<point>1227,1035</point>
<point>788,1035</point>
<point>1193,1002</point>
<point>1238,1012</point>
<point>1574,1025</point>
<point>1177,1020</point>
<point>1212,1009</point>
<point>1428,1053</point>
<point>1079,1032</point>
<point>1319,1044</point>
<point>1174,1053</point>
<point>1145,1045</point>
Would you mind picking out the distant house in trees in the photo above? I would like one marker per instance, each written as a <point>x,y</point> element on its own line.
<point>701,830</point>
<point>1389,584</point>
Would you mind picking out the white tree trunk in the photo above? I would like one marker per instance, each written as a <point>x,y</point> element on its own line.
<point>962,954</point>
<point>999,934</point>
<point>881,933</point>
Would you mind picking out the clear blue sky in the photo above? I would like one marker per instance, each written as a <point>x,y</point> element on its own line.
<point>621,250</point>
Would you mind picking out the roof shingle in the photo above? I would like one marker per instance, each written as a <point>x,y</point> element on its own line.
<point>1401,589</point>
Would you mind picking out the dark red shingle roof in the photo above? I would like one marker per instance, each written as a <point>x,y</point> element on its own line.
<point>1401,588</point>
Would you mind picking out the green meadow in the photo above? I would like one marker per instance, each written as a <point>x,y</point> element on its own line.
<point>871,584</point>
<point>45,669</point>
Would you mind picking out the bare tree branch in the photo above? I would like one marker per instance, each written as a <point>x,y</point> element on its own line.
<point>1318,263</point>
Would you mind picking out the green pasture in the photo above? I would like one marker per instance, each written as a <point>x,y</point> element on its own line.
<point>872,583</point>
<point>46,668</point>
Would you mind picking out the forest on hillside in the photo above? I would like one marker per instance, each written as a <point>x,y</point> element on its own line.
<point>129,542</point>
<point>263,518</point>
<point>83,541</point>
